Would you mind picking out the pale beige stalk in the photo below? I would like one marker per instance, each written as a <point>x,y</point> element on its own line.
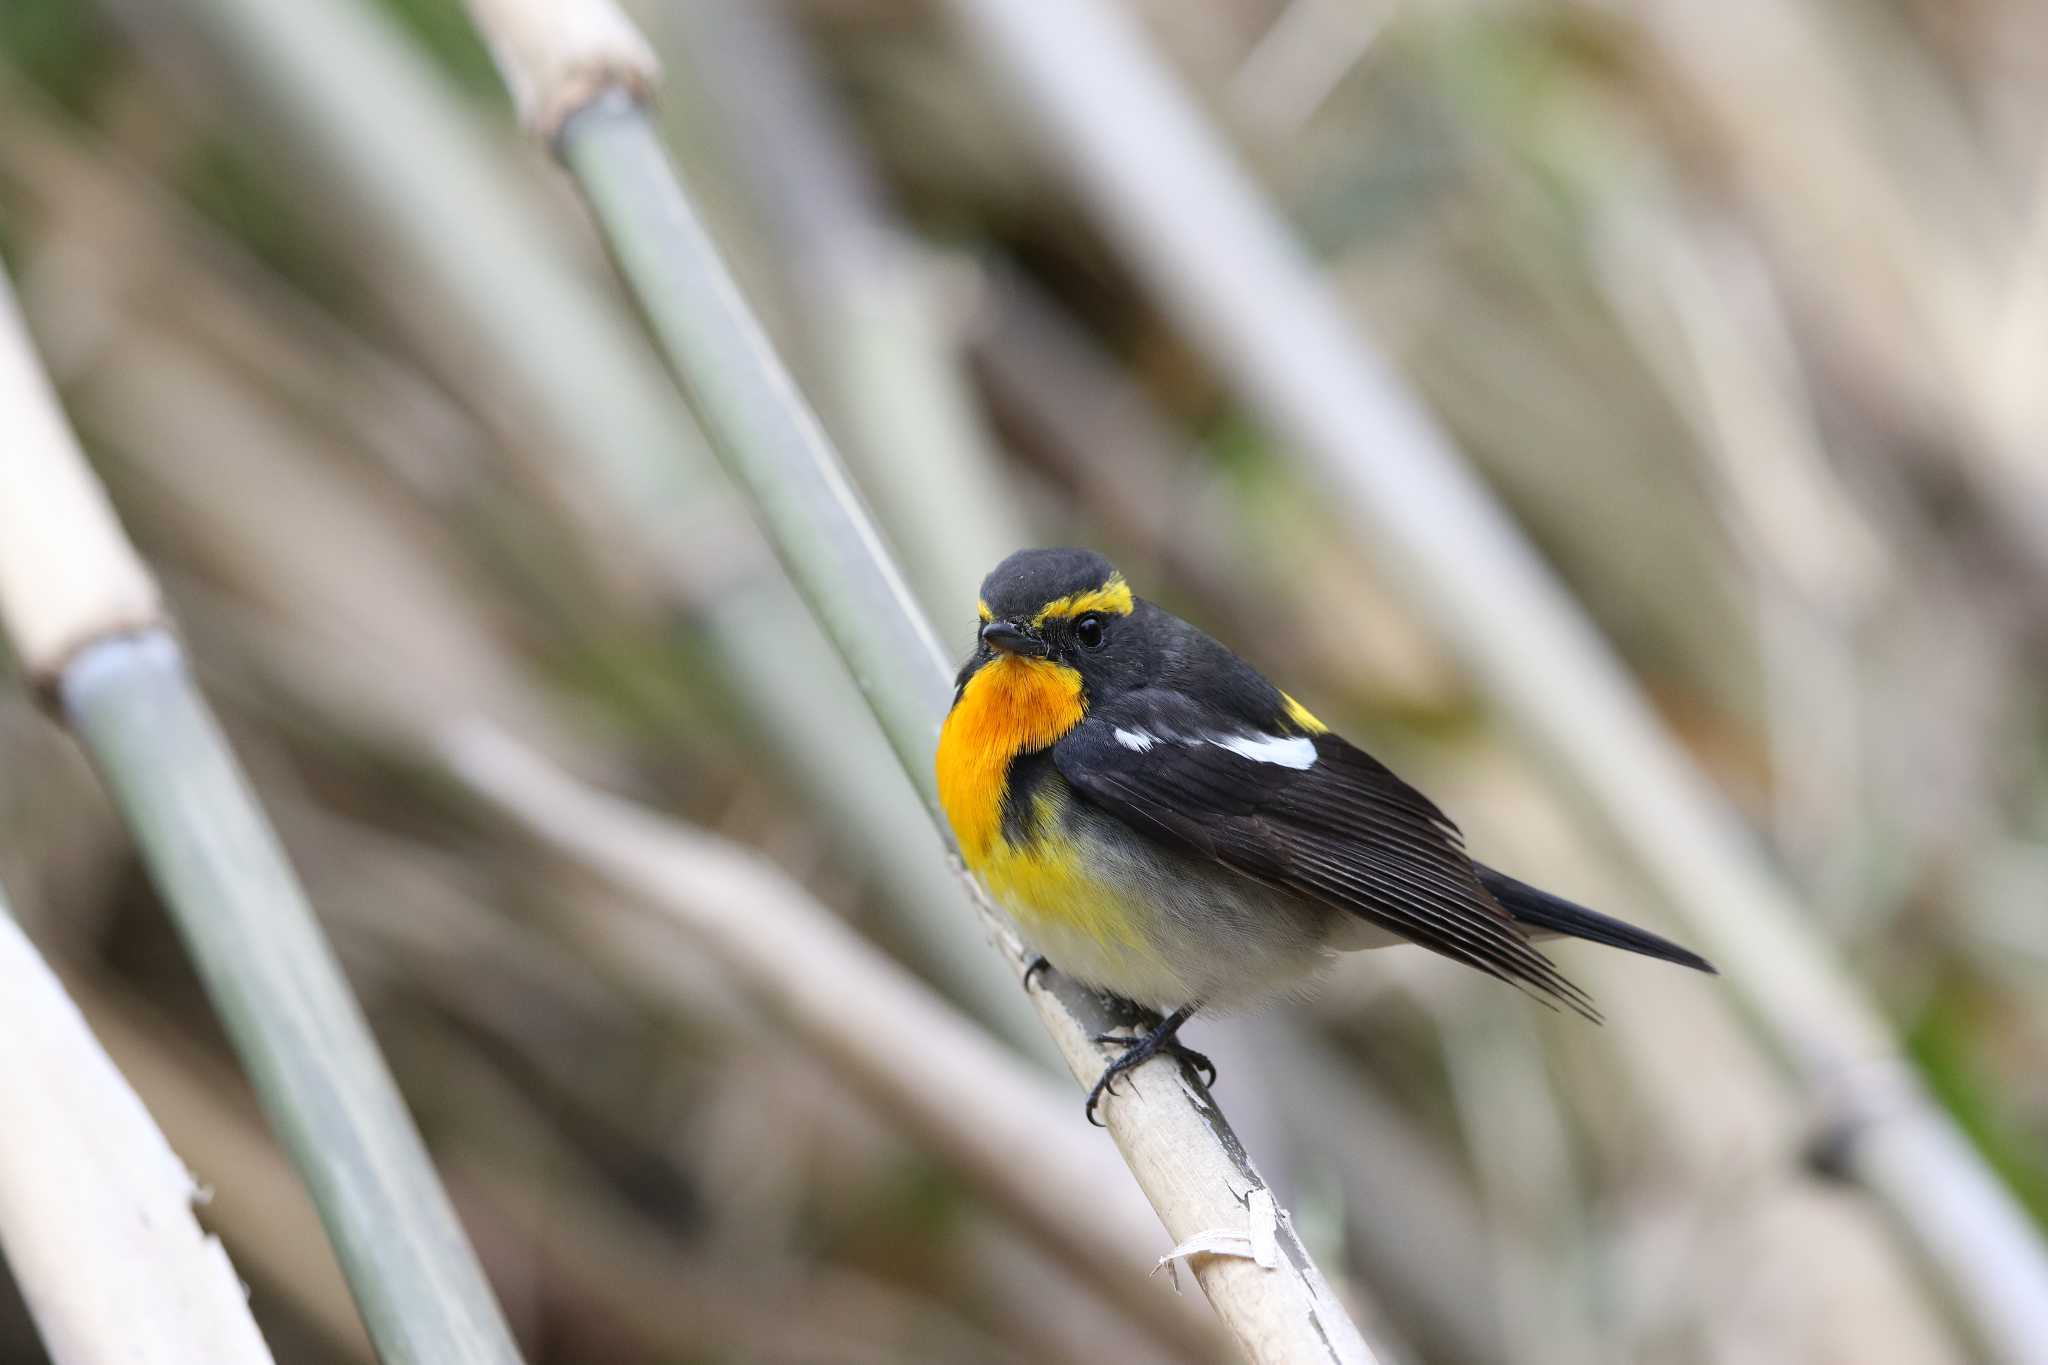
<point>95,1208</point>
<point>258,1207</point>
<point>67,573</point>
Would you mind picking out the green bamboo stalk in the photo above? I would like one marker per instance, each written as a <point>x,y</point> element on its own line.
<point>579,71</point>
<point>1193,225</point>
<point>84,617</point>
<point>95,1208</point>
<point>762,428</point>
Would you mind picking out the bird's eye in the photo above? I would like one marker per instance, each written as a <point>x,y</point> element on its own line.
<point>1088,630</point>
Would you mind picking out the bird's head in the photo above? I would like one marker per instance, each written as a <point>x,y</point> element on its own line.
<point>1064,610</point>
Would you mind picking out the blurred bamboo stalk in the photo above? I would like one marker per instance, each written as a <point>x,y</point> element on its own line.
<point>1925,268</point>
<point>875,1024</point>
<point>1069,403</point>
<point>1197,230</point>
<point>1075,408</point>
<point>1300,60</point>
<point>600,1260</point>
<point>1176,1142</point>
<point>1508,1106</point>
<point>477,269</point>
<point>95,1208</point>
<point>1717,334</point>
<point>891,377</point>
<point>1410,1219</point>
<point>86,624</point>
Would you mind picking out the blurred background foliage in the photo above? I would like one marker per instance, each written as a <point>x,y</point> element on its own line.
<point>1742,308</point>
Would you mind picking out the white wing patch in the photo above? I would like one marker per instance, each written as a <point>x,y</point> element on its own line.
<point>1289,751</point>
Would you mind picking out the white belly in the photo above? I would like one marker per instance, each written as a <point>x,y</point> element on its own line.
<point>1193,932</point>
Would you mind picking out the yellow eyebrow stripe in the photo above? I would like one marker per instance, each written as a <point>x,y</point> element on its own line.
<point>1113,598</point>
<point>986,614</point>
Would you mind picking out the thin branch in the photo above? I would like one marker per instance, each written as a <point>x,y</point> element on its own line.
<point>1194,226</point>
<point>1177,1144</point>
<point>95,1207</point>
<point>121,683</point>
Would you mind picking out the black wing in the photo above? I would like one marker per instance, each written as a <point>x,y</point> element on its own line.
<point>1343,830</point>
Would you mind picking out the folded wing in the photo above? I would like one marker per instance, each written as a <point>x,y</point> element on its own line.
<point>1311,813</point>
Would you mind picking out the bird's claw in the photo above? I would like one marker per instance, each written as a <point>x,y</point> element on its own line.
<point>1173,1047</point>
<point>1038,964</point>
<point>1102,1087</point>
<point>1139,1050</point>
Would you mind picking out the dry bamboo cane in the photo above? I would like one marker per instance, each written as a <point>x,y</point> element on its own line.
<point>87,625</point>
<point>1193,225</point>
<point>95,1208</point>
<point>580,72</point>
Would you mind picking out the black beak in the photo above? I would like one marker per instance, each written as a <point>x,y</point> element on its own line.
<point>1012,639</point>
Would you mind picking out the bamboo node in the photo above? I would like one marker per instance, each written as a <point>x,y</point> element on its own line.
<point>558,57</point>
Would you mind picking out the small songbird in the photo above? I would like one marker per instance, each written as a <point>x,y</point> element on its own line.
<point>1167,826</point>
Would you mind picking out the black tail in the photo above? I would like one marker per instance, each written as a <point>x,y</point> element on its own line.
<point>1541,910</point>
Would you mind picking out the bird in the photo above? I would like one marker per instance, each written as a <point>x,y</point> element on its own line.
<point>1168,827</point>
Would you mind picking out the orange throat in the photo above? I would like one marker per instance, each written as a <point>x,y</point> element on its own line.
<point>1011,706</point>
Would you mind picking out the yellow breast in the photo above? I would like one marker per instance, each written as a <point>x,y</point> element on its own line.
<point>1046,882</point>
<point>1011,706</point>
<point>1017,706</point>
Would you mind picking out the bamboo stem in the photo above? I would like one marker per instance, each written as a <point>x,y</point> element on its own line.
<point>95,1208</point>
<point>1175,1141</point>
<point>1215,255</point>
<point>749,403</point>
<point>281,994</point>
<point>122,685</point>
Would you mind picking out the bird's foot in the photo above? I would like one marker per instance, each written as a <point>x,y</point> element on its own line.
<point>1039,964</point>
<point>1137,1051</point>
<point>1173,1047</point>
